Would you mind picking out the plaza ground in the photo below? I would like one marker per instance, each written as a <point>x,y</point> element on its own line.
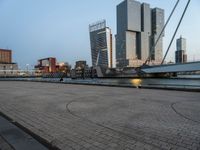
<point>97,117</point>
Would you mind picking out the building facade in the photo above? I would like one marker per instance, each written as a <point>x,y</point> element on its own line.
<point>157,26</point>
<point>82,70</point>
<point>7,67</point>
<point>180,54</point>
<point>81,64</point>
<point>138,26</point>
<point>5,56</point>
<point>49,67</point>
<point>46,65</point>
<point>101,44</point>
<point>63,67</point>
<point>146,32</point>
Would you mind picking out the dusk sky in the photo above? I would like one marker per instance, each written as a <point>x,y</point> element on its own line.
<point>36,29</point>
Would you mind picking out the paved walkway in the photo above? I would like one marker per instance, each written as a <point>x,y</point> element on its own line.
<point>17,138</point>
<point>93,117</point>
<point>4,145</point>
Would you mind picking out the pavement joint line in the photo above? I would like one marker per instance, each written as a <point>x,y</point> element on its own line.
<point>181,115</point>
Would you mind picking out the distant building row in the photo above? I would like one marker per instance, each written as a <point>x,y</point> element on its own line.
<point>50,65</point>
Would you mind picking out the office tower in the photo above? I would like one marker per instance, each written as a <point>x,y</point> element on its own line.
<point>146,32</point>
<point>157,26</point>
<point>180,54</point>
<point>5,56</point>
<point>137,28</point>
<point>101,44</point>
<point>128,29</point>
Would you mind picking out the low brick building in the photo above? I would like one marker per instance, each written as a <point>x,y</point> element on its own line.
<point>46,65</point>
<point>5,56</point>
<point>7,67</point>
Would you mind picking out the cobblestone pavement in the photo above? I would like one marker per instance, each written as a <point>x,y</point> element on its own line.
<point>95,117</point>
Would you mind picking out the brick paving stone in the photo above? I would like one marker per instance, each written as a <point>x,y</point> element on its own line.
<point>91,117</point>
<point>4,145</point>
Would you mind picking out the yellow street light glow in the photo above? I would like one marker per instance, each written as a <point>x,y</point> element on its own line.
<point>136,82</point>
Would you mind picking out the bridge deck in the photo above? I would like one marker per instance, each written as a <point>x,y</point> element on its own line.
<point>185,67</point>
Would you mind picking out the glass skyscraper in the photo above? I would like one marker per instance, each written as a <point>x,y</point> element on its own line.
<point>138,26</point>
<point>101,44</point>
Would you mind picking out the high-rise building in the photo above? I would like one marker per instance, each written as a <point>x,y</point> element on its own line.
<point>101,44</point>
<point>146,32</point>
<point>128,29</point>
<point>157,26</point>
<point>138,26</point>
<point>180,54</point>
<point>5,56</point>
